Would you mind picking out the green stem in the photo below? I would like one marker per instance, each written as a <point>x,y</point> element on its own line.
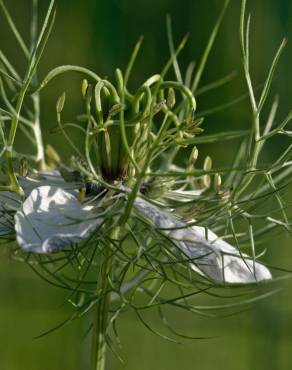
<point>254,156</point>
<point>244,41</point>
<point>98,350</point>
<point>40,155</point>
<point>8,152</point>
<point>35,58</point>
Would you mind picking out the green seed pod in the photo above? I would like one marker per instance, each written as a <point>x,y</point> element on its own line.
<point>60,103</point>
<point>23,167</point>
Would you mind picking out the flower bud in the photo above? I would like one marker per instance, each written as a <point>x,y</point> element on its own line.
<point>207,164</point>
<point>81,194</point>
<point>190,118</point>
<point>194,155</point>
<point>207,167</point>
<point>60,103</point>
<point>52,155</point>
<point>23,167</point>
<point>217,182</point>
<point>84,87</point>
<point>170,98</point>
<point>88,93</point>
<point>156,188</point>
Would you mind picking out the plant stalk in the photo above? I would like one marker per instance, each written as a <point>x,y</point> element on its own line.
<point>100,320</point>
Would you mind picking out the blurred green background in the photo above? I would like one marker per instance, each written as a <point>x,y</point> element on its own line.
<point>100,35</point>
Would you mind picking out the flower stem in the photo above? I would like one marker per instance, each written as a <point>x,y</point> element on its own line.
<point>98,349</point>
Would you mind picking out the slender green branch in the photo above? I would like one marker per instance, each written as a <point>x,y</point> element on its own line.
<point>256,138</point>
<point>174,55</point>
<point>172,50</point>
<point>65,69</point>
<point>218,83</point>
<point>271,75</point>
<point>132,61</point>
<point>206,53</point>
<point>14,30</point>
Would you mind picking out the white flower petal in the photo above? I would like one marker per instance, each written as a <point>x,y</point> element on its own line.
<point>211,256</point>
<point>10,202</point>
<point>52,217</point>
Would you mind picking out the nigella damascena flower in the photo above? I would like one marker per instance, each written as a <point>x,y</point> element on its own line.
<point>53,216</point>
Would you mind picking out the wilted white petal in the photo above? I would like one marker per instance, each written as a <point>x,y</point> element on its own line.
<point>218,259</point>
<point>210,256</point>
<point>50,178</point>
<point>51,218</point>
